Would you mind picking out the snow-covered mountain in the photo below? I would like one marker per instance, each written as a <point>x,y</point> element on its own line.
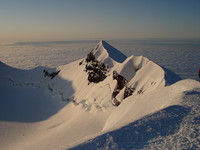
<point>139,74</point>
<point>96,96</point>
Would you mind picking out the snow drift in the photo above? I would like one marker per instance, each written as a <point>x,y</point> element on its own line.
<point>140,74</point>
<point>60,108</point>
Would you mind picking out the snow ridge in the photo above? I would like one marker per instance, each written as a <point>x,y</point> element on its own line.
<point>136,75</point>
<point>104,52</point>
<point>98,97</point>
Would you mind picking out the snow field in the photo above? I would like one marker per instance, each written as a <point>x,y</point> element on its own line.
<point>40,113</point>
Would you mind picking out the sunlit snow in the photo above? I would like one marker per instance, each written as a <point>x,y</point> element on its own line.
<point>38,111</point>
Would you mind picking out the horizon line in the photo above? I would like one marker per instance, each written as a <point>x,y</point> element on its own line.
<point>43,42</point>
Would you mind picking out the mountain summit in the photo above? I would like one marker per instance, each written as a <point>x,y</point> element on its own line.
<point>104,52</point>
<point>104,96</point>
<point>112,52</point>
<point>115,76</point>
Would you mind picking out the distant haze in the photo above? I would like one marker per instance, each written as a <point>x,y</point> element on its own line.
<point>58,20</point>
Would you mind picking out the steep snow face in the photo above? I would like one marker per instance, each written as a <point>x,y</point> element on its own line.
<point>136,73</point>
<point>147,103</point>
<point>108,54</point>
<point>135,63</point>
<point>140,75</point>
<point>69,109</point>
<point>148,78</point>
<point>175,125</point>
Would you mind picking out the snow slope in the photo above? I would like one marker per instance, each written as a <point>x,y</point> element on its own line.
<point>173,126</point>
<point>37,112</point>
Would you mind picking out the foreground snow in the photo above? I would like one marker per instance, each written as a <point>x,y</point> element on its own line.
<point>175,126</point>
<point>37,112</point>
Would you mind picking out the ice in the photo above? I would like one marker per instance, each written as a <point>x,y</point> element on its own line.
<point>68,112</point>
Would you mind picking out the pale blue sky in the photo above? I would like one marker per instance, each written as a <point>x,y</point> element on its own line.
<point>47,20</point>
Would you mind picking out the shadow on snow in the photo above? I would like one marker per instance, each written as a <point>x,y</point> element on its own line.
<point>30,100</point>
<point>137,134</point>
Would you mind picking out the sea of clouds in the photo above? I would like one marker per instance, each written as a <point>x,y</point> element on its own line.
<point>180,56</point>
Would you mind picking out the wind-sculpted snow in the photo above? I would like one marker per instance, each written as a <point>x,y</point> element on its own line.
<point>136,135</point>
<point>120,102</point>
<point>174,127</point>
<point>26,95</point>
<point>141,74</point>
<point>104,52</point>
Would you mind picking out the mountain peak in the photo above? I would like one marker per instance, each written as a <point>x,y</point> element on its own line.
<point>112,52</point>
<point>103,42</point>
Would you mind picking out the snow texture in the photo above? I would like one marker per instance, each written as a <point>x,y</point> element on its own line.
<point>69,112</point>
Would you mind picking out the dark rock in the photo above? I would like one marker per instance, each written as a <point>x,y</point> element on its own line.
<point>140,91</point>
<point>128,92</point>
<point>121,82</point>
<point>51,75</point>
<point>116,102</point>
<point>96,70</point>
<point>80,63</point>
<point>90,57</point>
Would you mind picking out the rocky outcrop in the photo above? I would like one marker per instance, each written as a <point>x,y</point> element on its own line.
<point>96,70</point>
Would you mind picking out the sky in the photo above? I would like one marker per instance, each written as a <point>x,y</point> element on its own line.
<point>60,20</point>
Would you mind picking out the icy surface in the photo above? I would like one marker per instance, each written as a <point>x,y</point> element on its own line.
<point>67,112</point>
<point>175,127</point>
